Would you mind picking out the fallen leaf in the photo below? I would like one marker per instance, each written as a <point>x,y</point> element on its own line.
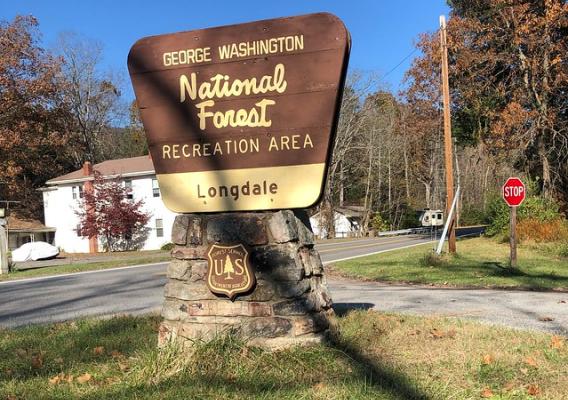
<point>55,380</point>
<point>451,333</point>
<point>436,333</point>
<point>531,361</point>
<point>524,371</point>
<point>116,354</point>
<point>111,380</point>
<point>487,359</point>
<point>319,386</point>
<point>98,350</point>
<point>86,377</point>
<point>486,393</point>
<point>69,378</point>
<point>509,386</point>
<point>533,390</point>
<point>556,342</point>
<point>37,361</point>
<point>414,332</point>
<point>545,319</point>
<point>123,366</point>
<point>11,397</point>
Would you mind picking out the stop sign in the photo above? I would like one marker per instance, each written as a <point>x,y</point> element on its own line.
<point>514,192</point>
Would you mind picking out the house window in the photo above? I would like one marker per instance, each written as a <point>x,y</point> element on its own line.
<point>128,187</point>
<point>77,192</point>
<point>159,228</point>
<point>78,230</point>
<point>155,188</point>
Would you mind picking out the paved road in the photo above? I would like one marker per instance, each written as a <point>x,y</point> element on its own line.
<point>544,311</point>
<point>138,290</point>
<point>132,290</point>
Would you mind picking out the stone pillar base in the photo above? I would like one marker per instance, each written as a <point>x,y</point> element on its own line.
<point>289,305</point>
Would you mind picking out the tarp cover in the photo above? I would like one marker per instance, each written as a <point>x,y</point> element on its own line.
<point>34,251</point>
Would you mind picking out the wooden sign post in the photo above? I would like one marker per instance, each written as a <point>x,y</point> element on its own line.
<point>514,193</point>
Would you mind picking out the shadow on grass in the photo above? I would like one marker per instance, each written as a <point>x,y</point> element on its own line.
<point>341,309</point>
<point>381,376</point>
<point>69,347</point>
<point>289,374</point>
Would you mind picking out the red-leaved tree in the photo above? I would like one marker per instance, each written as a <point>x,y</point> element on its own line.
<point>108,214</point>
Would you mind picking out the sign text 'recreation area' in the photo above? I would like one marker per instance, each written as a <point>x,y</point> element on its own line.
<point>242,117</point>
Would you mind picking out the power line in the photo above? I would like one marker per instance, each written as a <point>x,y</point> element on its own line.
<point>401,61</point>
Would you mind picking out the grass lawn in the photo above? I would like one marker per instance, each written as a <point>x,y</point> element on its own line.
<point>480,262</point>
<point>372,356</point>
<point>79,267</point>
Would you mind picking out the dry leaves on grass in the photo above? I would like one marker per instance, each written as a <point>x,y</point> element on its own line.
<point>486,393</point>
<point>509,386</point>
<point>439,334</point>
<point>37,361</point>
<point>556,342</point>
<point>531,361</point>
<point>99,350</point>
<point>319,386</point>
<point>116,354</point>
<point>488,359</point>
<point>124,367</point>
<point>60,378</point>
<point>86,377</point>
<point>533,390</point>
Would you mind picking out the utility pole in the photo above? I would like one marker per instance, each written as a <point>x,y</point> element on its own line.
<point>4,267</point>
<point>448,154</point>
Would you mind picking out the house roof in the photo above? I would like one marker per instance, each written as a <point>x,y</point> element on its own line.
<point>353,212</point>
<point>123,166</point>
<point>17,224</point>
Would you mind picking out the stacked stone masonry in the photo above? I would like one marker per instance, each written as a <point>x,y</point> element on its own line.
<point>290,303</point>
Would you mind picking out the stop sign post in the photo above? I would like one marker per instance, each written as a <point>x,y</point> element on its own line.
<point>514,192</point>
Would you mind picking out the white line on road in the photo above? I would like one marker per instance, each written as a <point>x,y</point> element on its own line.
<point>39,278</point>
<point>378,252</point>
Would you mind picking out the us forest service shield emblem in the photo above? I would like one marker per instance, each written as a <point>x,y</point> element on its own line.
<point>229,272</point>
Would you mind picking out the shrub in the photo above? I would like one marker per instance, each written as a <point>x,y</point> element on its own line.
<point>542,231</point>
<point>167,246</point>
<point>534,208</point>
<point>471,215</point>
<point>379,224</point>
<point>434,260</point>
<point>563,251</point>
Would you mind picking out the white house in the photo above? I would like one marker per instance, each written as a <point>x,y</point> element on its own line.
<point>62,197</point>
<point>346,222</point>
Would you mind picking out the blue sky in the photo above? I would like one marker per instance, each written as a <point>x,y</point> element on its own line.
<point>383,32</point>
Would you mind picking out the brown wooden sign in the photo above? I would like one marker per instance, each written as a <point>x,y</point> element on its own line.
<point>229,272</point>
<point>242,117</point>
